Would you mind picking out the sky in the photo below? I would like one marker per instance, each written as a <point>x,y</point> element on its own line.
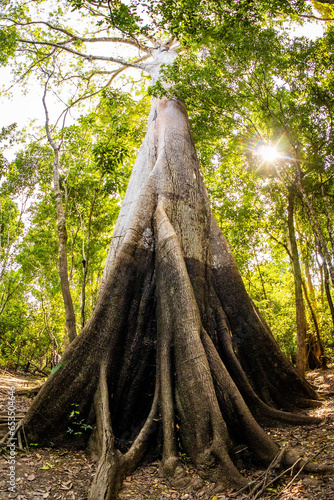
<point>20,107</point>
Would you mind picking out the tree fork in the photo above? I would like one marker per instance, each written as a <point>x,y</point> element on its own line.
<point>110,470</point>
<point>113,466</point>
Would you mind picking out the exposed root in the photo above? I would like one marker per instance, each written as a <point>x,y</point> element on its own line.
<point>16,437</point>
<point>326,394</point>
<point>229,396</point>
<point>291,463</point>
<point>29,392</point>
<point>139,447</point>
<point>178,477</point>
<point>201,420</point>
<point>290,459</point>
<point>258,353</point>
<point>308,403</point>
<point>301,468</point>
<point>260,409</point>
<point>15,440</point>
<point>110,471</point>
<point>113,466</point>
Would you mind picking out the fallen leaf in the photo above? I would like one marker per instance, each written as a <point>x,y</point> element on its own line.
<point>65,487</point>
<point>31,477</point>
<point>47,466</point>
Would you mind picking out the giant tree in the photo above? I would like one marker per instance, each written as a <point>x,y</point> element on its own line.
<point>175,352</point>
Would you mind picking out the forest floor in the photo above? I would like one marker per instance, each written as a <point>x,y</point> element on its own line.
<point>47,473</point>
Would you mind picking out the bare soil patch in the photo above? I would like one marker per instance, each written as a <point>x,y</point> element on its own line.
<point>63,475</point>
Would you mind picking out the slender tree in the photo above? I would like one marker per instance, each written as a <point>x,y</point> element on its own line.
<point>62,229</point>
<point>300,307</point>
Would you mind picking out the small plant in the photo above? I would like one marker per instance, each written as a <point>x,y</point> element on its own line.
<point>79,426</point>
<point>47,466</point>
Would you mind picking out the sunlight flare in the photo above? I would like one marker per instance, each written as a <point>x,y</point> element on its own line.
<point>268,153</point>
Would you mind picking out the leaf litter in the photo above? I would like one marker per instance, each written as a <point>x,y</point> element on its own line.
<point>59,474</point>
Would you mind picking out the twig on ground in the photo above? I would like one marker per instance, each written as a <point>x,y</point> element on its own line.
<point>266,485</point>
<point>300,470</point>
<point>257,484</point>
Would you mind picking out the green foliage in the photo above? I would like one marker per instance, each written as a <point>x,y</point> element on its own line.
<point>210,21</point>
<point>78,425</point>
<point>325,9</point>
<point>92,190</point>
<point>8,44</point>
<point>190,22</point>
<point>246,82</point>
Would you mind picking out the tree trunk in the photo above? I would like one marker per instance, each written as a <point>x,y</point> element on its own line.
<point>315,224</point>
<point>328,218</point>
<point>62,251</point>
<point>85,254</point>
<point>300,307</point>
<point>62,234</point>
<point>316,357</point>
<point>187,360</point>
<point>316,350</point>
<point>328,291</point>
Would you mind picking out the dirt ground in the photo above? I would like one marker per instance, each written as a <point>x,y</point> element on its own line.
<point>63,475</point>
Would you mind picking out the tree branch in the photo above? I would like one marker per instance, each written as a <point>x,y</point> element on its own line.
<point>329,2</point>
<point>89,57</point>
<point>113,74</point>
<point>76,37</point>
<point>311,16</point>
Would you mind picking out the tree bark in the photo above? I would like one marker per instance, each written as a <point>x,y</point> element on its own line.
<point>62,250</point>
<point>316,357</point>
<point>328,218</point>
<point>187,359</point>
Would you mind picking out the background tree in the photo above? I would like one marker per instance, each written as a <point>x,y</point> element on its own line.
<point>96,159</point>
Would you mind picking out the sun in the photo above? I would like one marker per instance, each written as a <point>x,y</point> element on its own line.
<point>268,153</point>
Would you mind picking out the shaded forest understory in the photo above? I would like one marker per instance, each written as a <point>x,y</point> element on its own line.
<point>63,475</point>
